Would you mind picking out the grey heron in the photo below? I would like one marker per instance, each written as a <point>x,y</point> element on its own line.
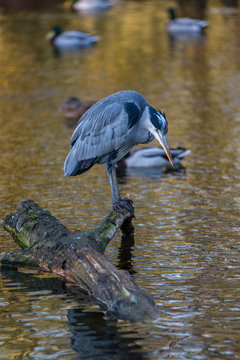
<point>108,131</point>
<point>144,157</point>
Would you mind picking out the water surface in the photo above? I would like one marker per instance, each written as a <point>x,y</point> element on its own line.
<point>185,250</point>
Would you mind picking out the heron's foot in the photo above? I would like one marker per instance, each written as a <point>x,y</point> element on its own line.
<point>125,204</point>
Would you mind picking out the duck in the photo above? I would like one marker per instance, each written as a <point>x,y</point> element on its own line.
<point>153,157</point>
<point>184,25</point>
<point>74,108</point>
<point>91,5</point>
<point>70,40</point>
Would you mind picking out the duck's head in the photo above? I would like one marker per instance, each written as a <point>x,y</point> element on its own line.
<point>72,103</point>
<point>56,30</point>
<point>172,13</point>
<point>73,2</point>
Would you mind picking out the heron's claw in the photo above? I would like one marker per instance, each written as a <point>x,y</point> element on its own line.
<point>125,204</point>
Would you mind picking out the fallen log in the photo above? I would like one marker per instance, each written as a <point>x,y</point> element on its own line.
<point>78,256</point>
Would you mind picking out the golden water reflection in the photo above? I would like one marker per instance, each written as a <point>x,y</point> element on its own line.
<point>185,251</point>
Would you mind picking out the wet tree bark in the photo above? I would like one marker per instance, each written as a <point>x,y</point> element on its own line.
<point>78,257</point>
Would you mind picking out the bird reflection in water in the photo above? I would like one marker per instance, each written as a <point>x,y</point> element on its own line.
<point>125,253</point>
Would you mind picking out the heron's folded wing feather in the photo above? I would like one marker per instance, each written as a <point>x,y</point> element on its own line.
<point>102,129</point>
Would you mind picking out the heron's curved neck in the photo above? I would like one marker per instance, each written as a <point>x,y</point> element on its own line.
<point>144,136</point>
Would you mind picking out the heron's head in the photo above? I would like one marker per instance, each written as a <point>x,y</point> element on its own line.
<point>158,126</point>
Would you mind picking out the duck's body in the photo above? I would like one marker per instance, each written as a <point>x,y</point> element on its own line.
<point>70,40</point>
<point>74,108</point>
<point>91,5</point>
<point>184,25</point>
<point>152,157</point>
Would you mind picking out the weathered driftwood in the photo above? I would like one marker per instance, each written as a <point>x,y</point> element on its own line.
<point>78,256</point>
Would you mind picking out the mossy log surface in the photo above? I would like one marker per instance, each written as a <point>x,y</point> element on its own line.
<point>78,257</point>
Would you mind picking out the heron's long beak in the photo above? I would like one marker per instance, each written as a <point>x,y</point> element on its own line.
<point>163,141</point>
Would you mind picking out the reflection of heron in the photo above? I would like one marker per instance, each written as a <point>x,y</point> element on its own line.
<point>74,108</point>
<point>184,25</point>
<point>125,256</point>
<point>70,40</point>
<point>109,129</point>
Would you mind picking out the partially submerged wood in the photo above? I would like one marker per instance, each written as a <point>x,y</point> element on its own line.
<point>79,257</point>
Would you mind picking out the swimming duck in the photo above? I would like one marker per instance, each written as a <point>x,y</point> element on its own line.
<point>184,25</point>
<point>150,157</point>
<point>70,40</point>
<point>91,5</point>
<point>74,108</point>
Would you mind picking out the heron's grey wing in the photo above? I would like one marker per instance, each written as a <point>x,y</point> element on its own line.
<point>101,131</point>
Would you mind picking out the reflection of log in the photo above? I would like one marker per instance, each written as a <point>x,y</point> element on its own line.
<point>78,257</point>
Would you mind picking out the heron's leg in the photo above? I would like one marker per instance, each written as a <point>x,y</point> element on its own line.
<point>110,176</point>
<point>116,184</point>
<point>120,203</point>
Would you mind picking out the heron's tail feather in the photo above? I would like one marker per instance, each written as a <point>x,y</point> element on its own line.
<point>73,167</point>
